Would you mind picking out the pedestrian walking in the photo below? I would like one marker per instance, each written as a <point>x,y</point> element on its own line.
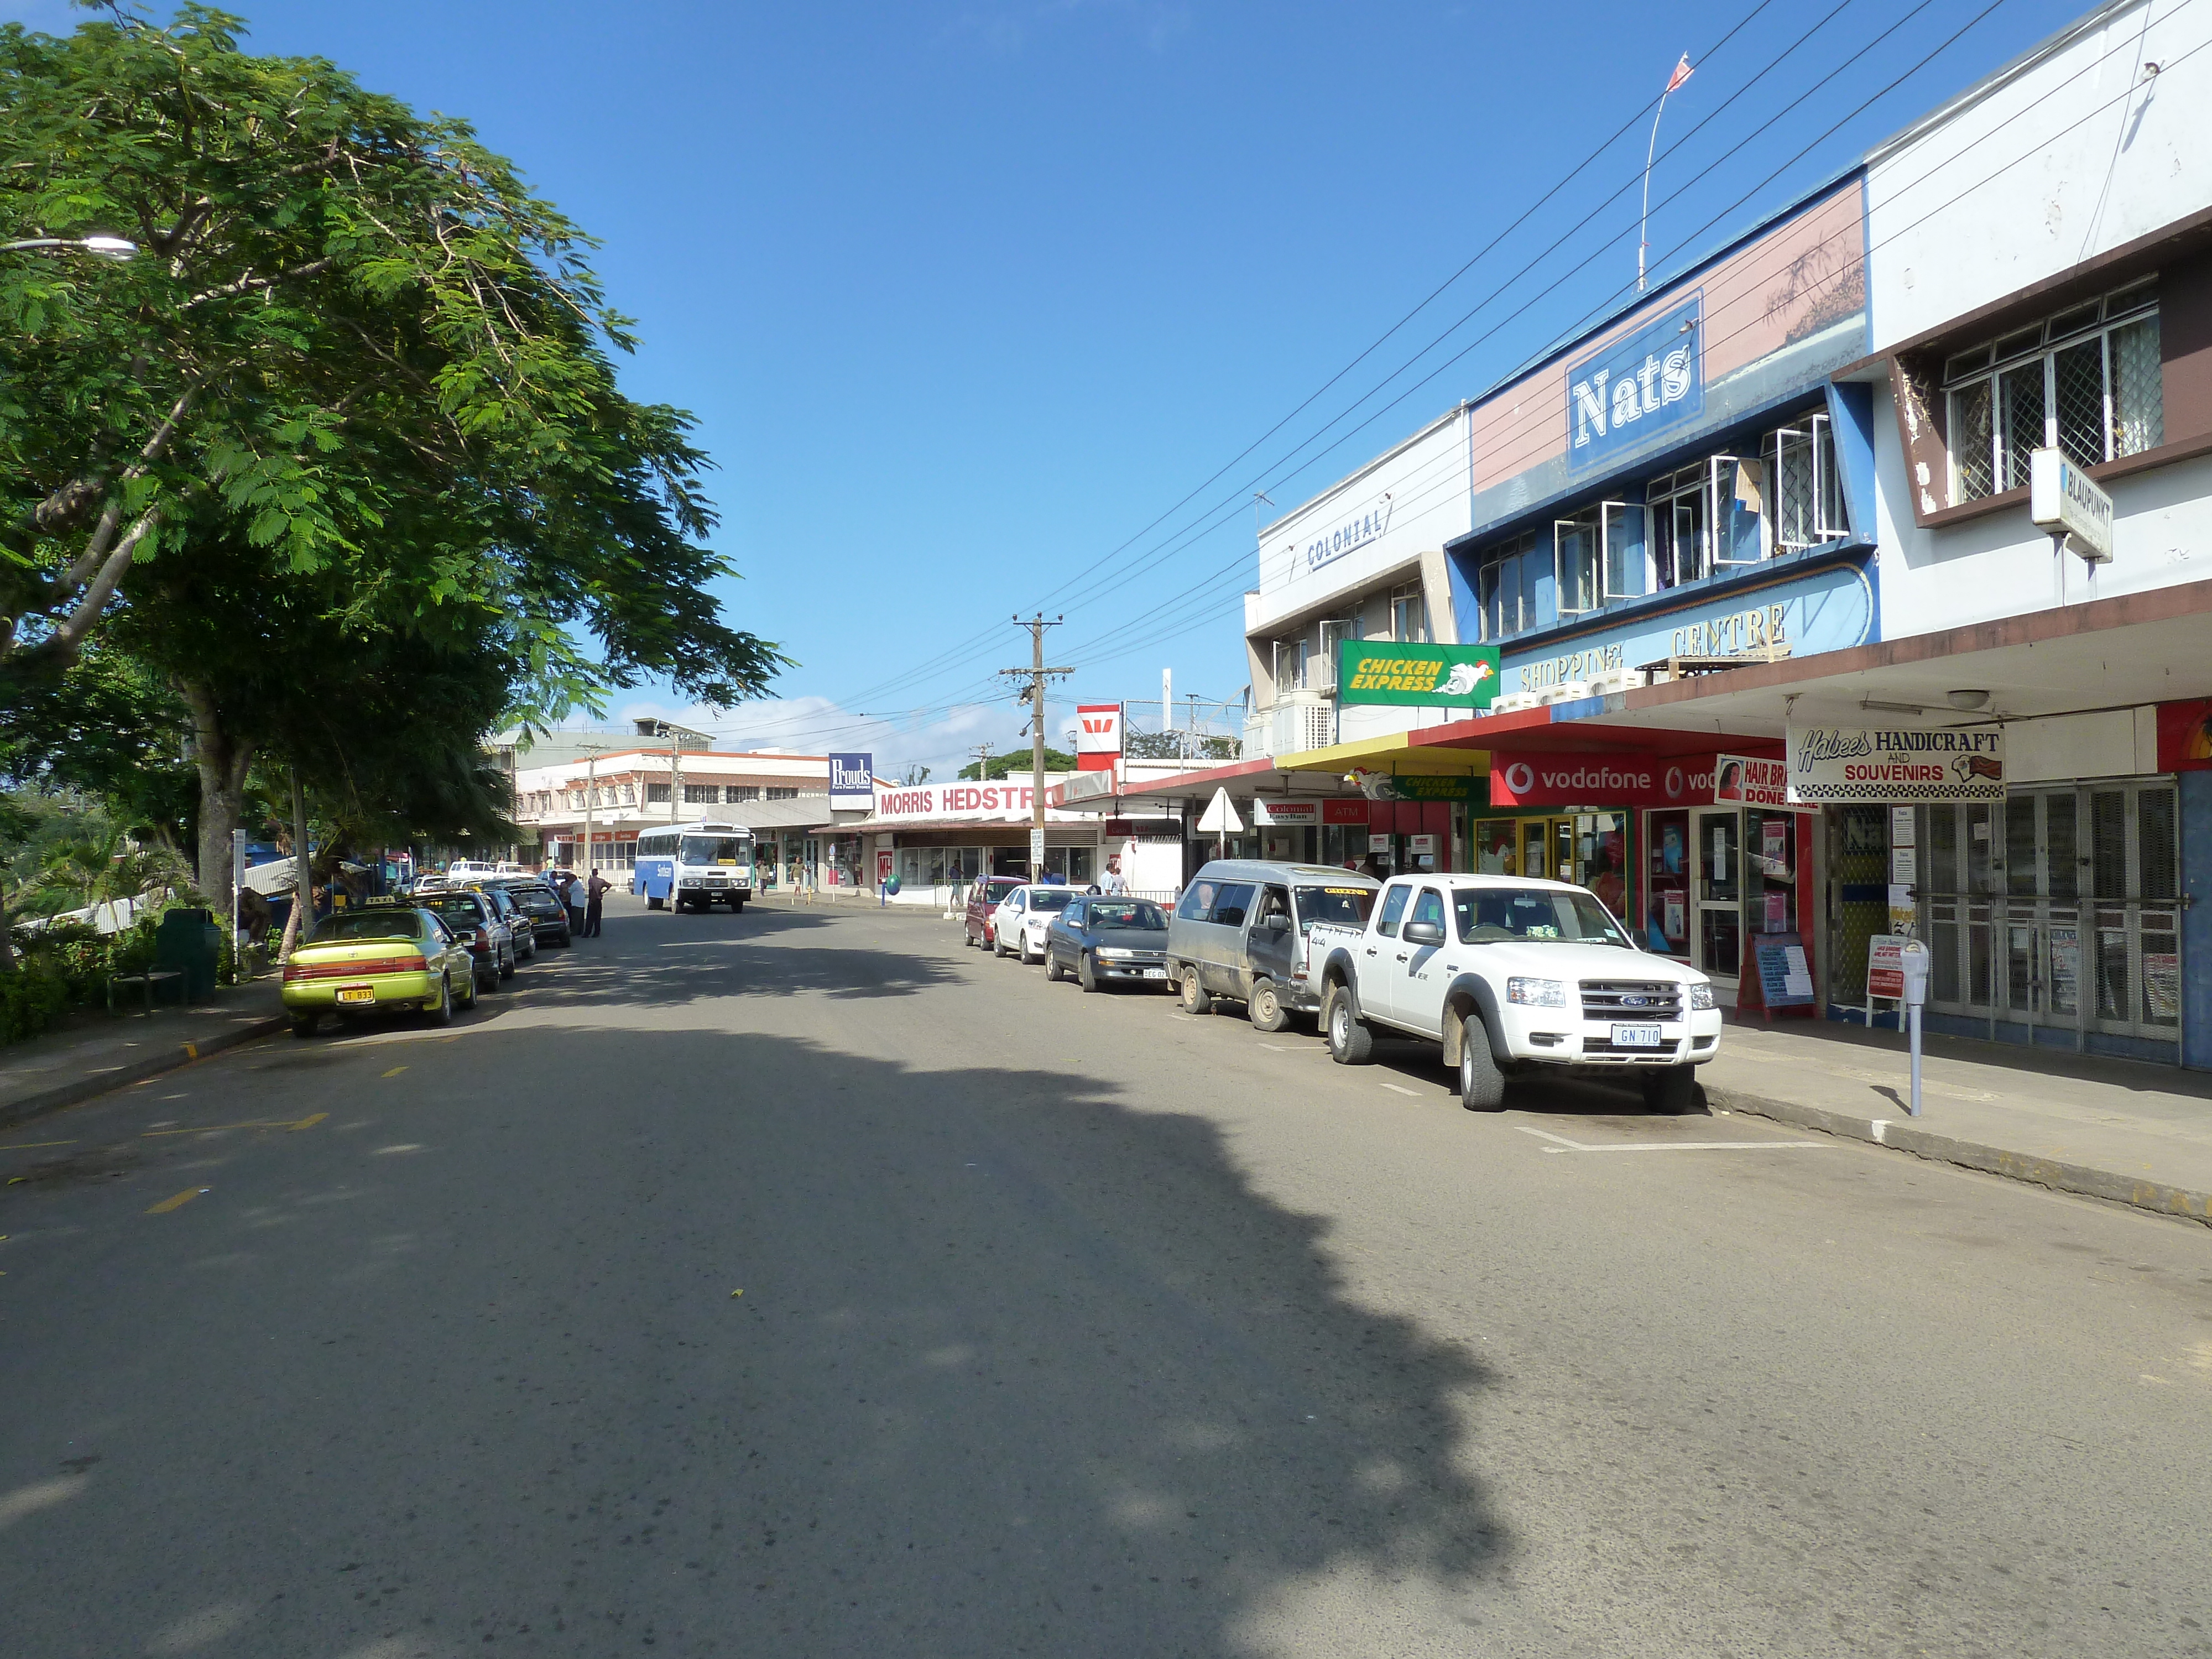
<point>1116,884</point>
<point>594,890</point>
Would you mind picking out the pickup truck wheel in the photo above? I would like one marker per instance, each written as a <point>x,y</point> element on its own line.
<point>1195,998</point>
<point>1672,1091</point>
<point>1266,1008</point>
<point>1349,1042</point>
<point>1481,1084</point>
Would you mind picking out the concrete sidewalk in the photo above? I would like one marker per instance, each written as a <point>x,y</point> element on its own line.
<point>101,1053</point>
<point>2117,1129</point>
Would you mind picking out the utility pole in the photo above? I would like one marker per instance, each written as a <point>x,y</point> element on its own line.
<point>1033,694</point>
<point>982,751</point>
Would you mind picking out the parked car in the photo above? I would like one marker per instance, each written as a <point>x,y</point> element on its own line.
<point>982,906</point>
<point>520,931</point>
<point>381,958</point>
<point>1243,930</point>
<point>1514,977</point>
<point>1103,941</point>
<point>472,916</point>
<point>1018,924</point>
<point>549,917</point>
<point>468,869</point>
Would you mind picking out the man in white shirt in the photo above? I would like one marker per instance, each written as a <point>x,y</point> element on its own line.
<point>1116,884</point>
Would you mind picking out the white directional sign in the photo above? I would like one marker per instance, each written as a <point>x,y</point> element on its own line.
<point>1220,818</point>
<point>2065,501</point>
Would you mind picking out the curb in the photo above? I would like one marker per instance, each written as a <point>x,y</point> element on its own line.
<point>1903,1136</point>
<point>151,1066</point>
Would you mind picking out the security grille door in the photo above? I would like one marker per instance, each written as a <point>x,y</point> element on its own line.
<point>2058,908</point>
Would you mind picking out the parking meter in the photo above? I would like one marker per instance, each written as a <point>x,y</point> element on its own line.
<point>1913,958</point>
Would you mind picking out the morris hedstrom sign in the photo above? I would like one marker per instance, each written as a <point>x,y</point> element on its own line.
<point>1626,394</point>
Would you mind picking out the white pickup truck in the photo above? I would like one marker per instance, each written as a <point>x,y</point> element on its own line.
<point>1511,976</point>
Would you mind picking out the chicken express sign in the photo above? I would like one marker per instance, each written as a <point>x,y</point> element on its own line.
<point>1426,676</point>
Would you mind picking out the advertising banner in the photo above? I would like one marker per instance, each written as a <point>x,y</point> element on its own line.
<point>1097,736</point>
<point>851,780</point>
<point>1638,388</point>
<point>1739,780</point>
<point>1344,811</point>
<point>1841,763</point>
<point>1538,779</point>
<point>1418,675</point>
<point>1283,814</point>
<point>2184,736</point>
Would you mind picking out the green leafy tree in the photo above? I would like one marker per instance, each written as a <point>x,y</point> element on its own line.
<point>353,346</point>
<point>1055,760</point>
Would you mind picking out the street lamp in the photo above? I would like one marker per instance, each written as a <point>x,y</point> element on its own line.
<point>100,247</point>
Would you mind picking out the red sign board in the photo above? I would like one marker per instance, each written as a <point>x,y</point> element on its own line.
<point>1097,736</point>
<point>1886,966</point>
<point>1535,778</point>
<point>1739,780</point>
<point>1344,811</point>
<point>2185,736</point>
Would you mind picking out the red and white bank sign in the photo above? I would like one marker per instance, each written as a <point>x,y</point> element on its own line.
<point>1097,736</point>
<point>1532,779</point>
<point>1739,780</point>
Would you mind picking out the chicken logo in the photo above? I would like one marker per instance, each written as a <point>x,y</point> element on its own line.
<point>1375,786</point>
<point>1465,676</point>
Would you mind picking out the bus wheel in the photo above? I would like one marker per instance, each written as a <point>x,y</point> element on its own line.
<point>653,904</point>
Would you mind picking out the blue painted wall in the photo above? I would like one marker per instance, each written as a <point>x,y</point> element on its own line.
<point>2196,919</point>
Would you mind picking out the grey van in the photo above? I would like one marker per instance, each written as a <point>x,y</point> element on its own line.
<point>1240,932</point>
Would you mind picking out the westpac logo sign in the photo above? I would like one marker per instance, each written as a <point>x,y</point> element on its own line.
<point>1623,395</point>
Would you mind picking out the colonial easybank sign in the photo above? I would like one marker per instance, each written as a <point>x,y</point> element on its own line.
<point>1643,384</point>
<point>1538,778</point>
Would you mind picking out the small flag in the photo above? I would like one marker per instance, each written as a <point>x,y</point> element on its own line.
<point>1682,72</point>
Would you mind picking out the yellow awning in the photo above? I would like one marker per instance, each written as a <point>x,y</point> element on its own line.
<point>1395,754</point>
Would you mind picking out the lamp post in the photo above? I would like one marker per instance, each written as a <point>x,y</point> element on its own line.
<point>100,247</point>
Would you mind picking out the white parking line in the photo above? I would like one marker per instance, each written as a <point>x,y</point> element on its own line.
<point>1296,1047</point>
<point>1398,1089</point>
<point>1561,1143</point>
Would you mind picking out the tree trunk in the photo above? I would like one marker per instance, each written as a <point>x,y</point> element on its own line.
<point>303,874</point>
<point>222,760</point>
<point>6,938</point>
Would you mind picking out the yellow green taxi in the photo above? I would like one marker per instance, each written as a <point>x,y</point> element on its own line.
<point>383,959</point>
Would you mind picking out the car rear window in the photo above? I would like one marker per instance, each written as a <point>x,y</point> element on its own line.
<point>377,923</point>
<point>1126,913</point>
<point>1051,898</point>
<point>466,909</point>
<point>1348,907</point>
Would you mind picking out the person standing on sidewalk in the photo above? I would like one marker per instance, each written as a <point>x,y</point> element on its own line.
<point>594,890</point>
<point>1116,884</point>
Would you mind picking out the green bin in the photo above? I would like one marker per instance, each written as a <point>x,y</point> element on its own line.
<point>189,941</point>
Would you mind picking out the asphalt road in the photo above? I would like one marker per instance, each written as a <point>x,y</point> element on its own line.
<point>1069,1325</point>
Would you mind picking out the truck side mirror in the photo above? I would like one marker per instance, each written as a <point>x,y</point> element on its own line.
<point>1423,932</point>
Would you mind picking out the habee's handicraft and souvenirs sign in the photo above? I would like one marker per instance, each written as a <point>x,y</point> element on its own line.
<point>1422,676</point>
<point>1843,765</point>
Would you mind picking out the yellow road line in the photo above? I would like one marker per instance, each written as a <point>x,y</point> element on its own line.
<point>26,1145</point>
<point>191,1051</point>
<point>218,1128</point>
<point>310,1122</point>
<point>177,1202</point>
<point>395,1071</point>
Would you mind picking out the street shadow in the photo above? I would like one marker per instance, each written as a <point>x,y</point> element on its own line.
<point>1017,1368</point>
<point>1583,1096</point>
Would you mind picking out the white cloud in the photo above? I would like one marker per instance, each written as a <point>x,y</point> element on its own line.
<point>940,739</point>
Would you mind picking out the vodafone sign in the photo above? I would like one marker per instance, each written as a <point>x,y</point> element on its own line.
<point>1616,780</point>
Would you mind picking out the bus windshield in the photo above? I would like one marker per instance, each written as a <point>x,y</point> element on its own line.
<point>715,849</point>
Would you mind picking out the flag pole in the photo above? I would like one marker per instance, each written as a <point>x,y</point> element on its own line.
<point>1651,150</point>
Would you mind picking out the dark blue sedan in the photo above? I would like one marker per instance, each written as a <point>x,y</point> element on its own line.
<point>1104,941</point>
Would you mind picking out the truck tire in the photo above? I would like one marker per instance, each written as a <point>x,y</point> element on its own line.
<point>1481,1084</point>
<point>1672,1092</point>
<point>1349,1042</point>
<point>1196,1000</point>
<point>1266,1007</point>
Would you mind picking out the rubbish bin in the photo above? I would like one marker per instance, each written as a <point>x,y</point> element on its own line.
<point>189,942</point>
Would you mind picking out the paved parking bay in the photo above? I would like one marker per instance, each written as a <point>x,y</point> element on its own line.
<point>801,1283</point>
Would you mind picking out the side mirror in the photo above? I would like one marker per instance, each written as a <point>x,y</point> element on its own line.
<point>1423,932</point>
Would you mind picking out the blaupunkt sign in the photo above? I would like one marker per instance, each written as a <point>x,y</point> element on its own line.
<point>1431,676</point>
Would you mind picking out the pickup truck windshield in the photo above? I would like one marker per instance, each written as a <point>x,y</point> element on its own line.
<point>1348,907</point>
<point>1486,915</point>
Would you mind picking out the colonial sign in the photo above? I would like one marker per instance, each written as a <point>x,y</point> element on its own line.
<point>1269,812</point>
<point>1739,780</point>
<point>851,780</point>
<point>1541,779</point>
<point>1097,736</point>
<point>1362,527</point>
<point>1623,394</point>
<point>1423,675</point>
<point>1832,764</point>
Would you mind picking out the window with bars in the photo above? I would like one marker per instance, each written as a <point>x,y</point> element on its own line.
<point>703,795</point>
<point>776,793</point>
<point>1408,618</point>
<point>1807,504</point>
<point>2085,381</point>
<point>1505,586</point>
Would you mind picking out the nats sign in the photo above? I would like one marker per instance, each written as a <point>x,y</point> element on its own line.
<point>1097,736</point>
<point>1533,779</point>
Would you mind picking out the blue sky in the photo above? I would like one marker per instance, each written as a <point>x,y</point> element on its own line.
<point>966,294</point>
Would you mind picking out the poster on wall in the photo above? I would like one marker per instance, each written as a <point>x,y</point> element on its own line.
<point>2185,736</point>
<point>1832,764</point>
<point>851,780</point>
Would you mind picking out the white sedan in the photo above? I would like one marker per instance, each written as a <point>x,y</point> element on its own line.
<point>1018,925</point>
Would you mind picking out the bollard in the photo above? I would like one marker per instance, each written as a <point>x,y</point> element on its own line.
<point>1913,959</point>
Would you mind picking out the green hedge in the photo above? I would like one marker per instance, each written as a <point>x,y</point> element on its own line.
<point>31,999</point>
<point>70,964</point>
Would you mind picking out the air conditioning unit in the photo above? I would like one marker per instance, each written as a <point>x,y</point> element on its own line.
<point>1513,703</point>
<point>1614,681</point>
<point>1565,691</point>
